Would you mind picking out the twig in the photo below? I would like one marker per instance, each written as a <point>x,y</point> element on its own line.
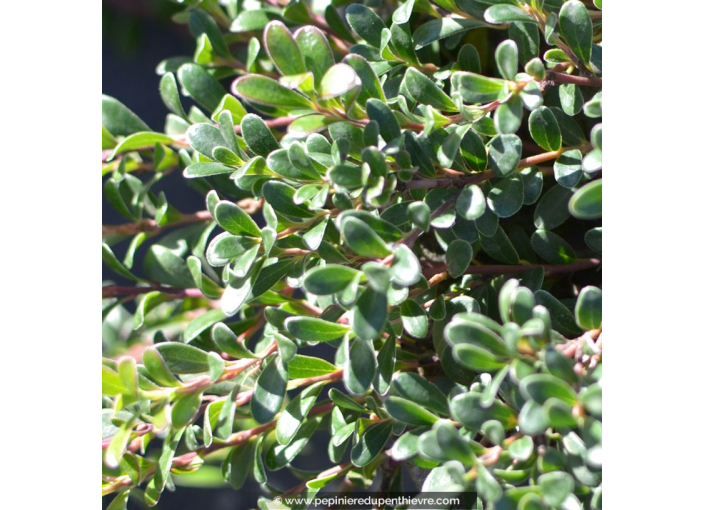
<point>110,291</point>
<point>587,81</point>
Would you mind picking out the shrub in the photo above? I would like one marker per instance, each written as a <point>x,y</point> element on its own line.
<point>400,248</point>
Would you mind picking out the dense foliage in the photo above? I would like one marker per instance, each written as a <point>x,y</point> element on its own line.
<point>399,248</point>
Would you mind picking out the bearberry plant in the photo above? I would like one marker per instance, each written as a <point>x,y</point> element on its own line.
<point>399,248</point>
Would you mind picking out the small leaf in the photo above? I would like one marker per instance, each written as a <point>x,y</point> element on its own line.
<point>265,91</point>
<point>471,203</point>
<point>371,443</point>
<point>311,329</point>
<point>552,247</point>
<point>507,59</point>
<point>233,219</point>
<point>568,168</point>
<point>585,204</point>
<point>552,209</point>
<point>588,308</point>
<point>576,29</point>
<point>476,88</point>
<point>541,387</point>
<point>362,239</point>
<point>414,319</point>
<point>315,49</point>
<point>303,367</point>
<point>120,120</point>
<point>329,279</point>
<point>296,411</point>
<point>571,98</point>
<point>468,410</point>
<point>414,387</point>
<point>185,409</point>
<point>369,314</point>
<point>141,140</point>
<point>360,367</point>
<point>337,81</point>
<point>280,197</point>
<point>282,49</point>
<point>504,154</point>
<point>424,91</point>
<point>405,268</point>
<point>459,256</point>
<point>503,13</point>
<point>269,391</point>
<point>258,136</point>
<point>409,412</point>
<point>200,85</point>
<point>183,358</point>
<point>440,28</point>
<point>506,197</point>
<point>365,23</point>
<point>544,129</point>
<point>378,111</point>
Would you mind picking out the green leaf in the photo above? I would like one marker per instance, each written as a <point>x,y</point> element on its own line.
<point>459,256</point>
<point>316,51</point>
<point>360,367</point>
<point>414,319</point>
<point>468,410</point>
<point>588,308</point>
<point>544,129</point>
<point>165,266</point>
<point>507,59</point>
<point>541,387</point>
<point>371,443</point>
<point>568,168</point>
<point>112,383</point>
<point>405,268</point>
<point>576,29</point>
<point>204,138</point>
<point>280,197</point>
<point>343,401</point>
<point>156,366</point>
<point>552,247</point>
<point>269,391</point>
<point>201,323</point>
<point>329,279</point>
<point>509,115</point>
<point>365,23</point>
<point>206,170</point>
<point>440,28</point>
<point>371,87</point>
<point>258,136</point>
<point>378,111</point>
<point>270,275</point>
<point>504,154</point>
<point>585,204</point>
<point>556,486</point>
<point>141,140</point>
<point>303,367</point>
<point>185,409</point>
<point>110,260</point>
<point>120,120</point>
<point>369,314</point>
<point>415,388</point>
<point>292,418</point>
<point>337,81</point>
<point>233,219</point>
<point>552,209</point>
<point>503,13</point>
<point>282,49</point>
<point>571,98</point>
<point>263,90</point>
<point>226,340</point>
<point>506,197</point>
<point>409,412</point>
<point>183,358</point>
<point>360,237</point>
<point>476,358</point>
<point>473,332</point>
<point>199,85</point>
<point>424,91</point>
<point>311,329</point>
<point>386,361</point>
<point>499,247</point>
<point>471,203</point>
<point>476,88</point>
<point>225,247</point>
